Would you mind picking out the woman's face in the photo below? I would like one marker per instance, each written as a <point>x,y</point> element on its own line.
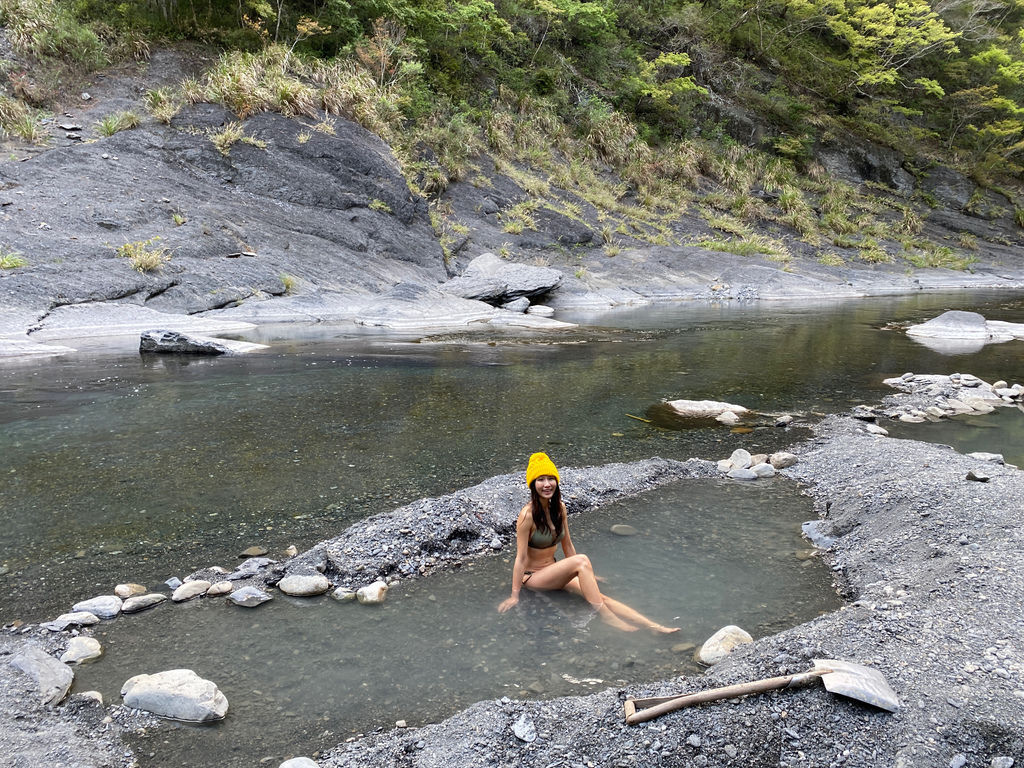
<point>546,485</point>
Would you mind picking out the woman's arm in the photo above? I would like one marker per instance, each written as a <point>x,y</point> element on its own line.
<point>567,548</point>
<point>523,525</point>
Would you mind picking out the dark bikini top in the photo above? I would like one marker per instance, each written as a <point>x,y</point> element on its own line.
<point>542,539</point>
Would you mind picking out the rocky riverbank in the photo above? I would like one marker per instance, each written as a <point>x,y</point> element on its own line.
<point>926,556</point>
<point>160,228</point>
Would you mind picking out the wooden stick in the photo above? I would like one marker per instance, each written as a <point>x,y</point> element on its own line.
<point>664,705</point>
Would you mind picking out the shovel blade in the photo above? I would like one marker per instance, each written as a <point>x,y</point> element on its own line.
<point>858,682</point>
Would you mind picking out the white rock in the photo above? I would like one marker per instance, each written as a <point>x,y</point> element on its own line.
<point>92,696</point>
<point>954,325</point>
<point>727,417</point>
<point>219,588</point>
<point>373,594</point>
<point>75,619</point>
<point>298,762</point>
<point>82,650</point>
<point>740,459</point>
<point>722,643</point>
<point>995,458</point>
<point>176,693</point>
<point>304,584</point>
<point>874,429</point>
<point>742,474</point>
<point>142,602</point>
<point>190,589</point>
<point>249,597</point>
<point>292,551</point>
<point>105,606</point>
<point>781,460</point>
<point>997,385</point>
<point>124,591</point>
<point>763,470</point>
<point>724,465</point>
<point>703,409</point>
<point>540,309</point>
<point>758,458</point>
<point>524,729</point>
<point>344,594</point>
<point>175,342</point>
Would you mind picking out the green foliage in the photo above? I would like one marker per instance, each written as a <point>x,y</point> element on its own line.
<point>11,259</point>
<point>144,255</point>
<point>18,119</point>
<point>117,121</point>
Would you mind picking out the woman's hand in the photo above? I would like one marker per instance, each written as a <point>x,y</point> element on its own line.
<point>508,603</point>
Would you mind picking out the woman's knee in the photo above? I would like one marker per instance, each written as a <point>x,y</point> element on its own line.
<point>582,562</point>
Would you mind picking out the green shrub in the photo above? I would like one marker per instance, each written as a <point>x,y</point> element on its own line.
<point>144,255</point>
<point>117,121</point>
<point>11,260</point>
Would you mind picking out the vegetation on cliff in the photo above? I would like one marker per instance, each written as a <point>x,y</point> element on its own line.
<point>623,104</point>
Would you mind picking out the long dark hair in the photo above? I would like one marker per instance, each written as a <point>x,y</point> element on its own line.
<point>539,521</point>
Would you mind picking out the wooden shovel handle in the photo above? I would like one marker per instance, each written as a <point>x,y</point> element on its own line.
<point>661,705</point>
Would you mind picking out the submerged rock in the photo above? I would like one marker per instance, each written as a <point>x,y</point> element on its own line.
<point>176,693</point>
<point>703,409</point>
<point>722,643</point>
<point>249,597</point>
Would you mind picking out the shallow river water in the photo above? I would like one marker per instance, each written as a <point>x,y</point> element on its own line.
<point>118,467</point>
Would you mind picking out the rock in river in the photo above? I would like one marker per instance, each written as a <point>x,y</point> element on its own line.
<point>105,606</point>
<point>76,619</point>
<point>373,594</point>
<point>173,342</point>
<point>176,693</point>
<point>81,650</point>
<point>124,591</point>
<point>249,597</point>
<point>304,584</point>
<point>190,589</point>
<point>703,409</point>
<point>142,602</point>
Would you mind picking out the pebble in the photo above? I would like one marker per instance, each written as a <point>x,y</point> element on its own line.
<point>190,589</point>
<point>125,591</point>
<point>524,729</point>
<point>621,529</point>
<point>141,602</point>
<point>958,761</point>
<point>693,740</point>
<point>1001,762</point>
<point>979,475</point>
<point>174,582</point>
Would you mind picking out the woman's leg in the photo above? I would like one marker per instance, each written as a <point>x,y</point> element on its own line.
<point>626,613</point>
<point>578,571</point>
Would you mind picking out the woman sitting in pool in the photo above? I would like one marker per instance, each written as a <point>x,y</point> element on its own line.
<point>542,525</point>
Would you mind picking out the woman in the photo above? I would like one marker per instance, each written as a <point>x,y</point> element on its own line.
<point>542,525</point>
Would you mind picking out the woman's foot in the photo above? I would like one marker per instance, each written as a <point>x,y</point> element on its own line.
<point>658,629</point>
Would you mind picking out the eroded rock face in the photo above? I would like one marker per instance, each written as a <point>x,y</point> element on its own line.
<point>497,281</point>
<point>176,693</point>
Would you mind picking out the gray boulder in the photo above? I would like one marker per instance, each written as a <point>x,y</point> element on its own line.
<point>179,694</point>
<point>953,325</point>
<point>52,678</point>
<point>75,619</point>
<point>703,409</point>
<point>173,342</point>
<point>492,279</point>
<point>722,643</point>
<point>105,606</point>
<point>517,305</point>
<point>82,650</point>
<point>142,602</point>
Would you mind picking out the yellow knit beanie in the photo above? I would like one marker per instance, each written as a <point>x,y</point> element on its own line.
<point>539,465</point>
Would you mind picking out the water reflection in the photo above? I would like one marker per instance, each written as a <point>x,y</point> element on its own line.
<point>304,674</point>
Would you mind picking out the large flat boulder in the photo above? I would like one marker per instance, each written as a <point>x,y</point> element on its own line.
<point>179,694</point>
<point>175,343</point>
<point>704,409</point>
<point>52,678</point>
<point>497,281</point>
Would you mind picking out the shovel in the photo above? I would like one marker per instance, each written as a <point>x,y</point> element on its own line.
<point>843,677</point>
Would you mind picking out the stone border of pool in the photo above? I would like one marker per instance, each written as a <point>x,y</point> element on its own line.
<point>926,556</point>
